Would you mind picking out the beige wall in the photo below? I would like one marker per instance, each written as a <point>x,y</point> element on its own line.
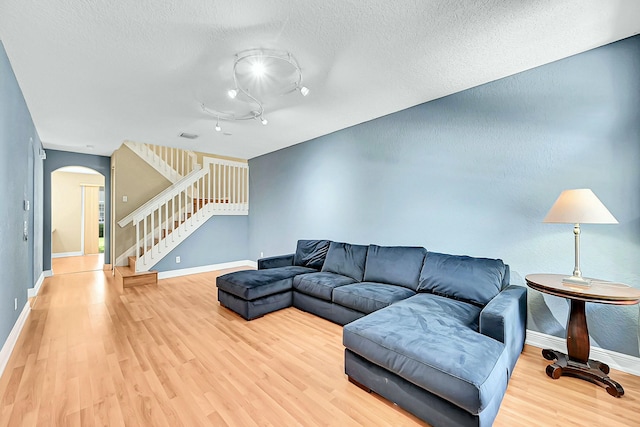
<point>66,209</point>
<point>138,181</point>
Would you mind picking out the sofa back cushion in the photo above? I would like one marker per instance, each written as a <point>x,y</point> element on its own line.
<point>346,259</point>
<point>474,280</point>
<point>311,253</point>
<point>396,265</point>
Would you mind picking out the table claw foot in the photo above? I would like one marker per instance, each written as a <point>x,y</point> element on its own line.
<point>613,388</point>
<point>554,371</point>
<point>550,354</point>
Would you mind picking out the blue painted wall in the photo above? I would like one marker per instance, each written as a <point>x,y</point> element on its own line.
<point>475,173</point>
<point>20,179</point>
<point>221,239</point>
<point>58,159</point>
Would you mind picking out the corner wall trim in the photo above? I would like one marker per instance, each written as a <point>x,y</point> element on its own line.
<point>206,268</point>
<point>33,292</point>
<point>12,339</point>
<point>620,361</point>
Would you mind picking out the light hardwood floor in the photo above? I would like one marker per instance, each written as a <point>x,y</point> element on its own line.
<point>77,264</point>
<point>169,355</point>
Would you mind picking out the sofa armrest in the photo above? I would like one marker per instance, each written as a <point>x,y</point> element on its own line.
<point>504,319</point>
<point>275,261</point>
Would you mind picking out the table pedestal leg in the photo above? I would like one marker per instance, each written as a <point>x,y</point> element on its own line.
<point>577,363</point>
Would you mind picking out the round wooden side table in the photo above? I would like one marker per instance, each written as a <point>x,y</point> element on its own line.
<point>577,363</point>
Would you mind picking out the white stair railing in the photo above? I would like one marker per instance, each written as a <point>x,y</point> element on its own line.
<point>172,163</point>
<point>221,187</point>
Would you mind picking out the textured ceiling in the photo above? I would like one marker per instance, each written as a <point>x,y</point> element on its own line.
<point>95,73</point>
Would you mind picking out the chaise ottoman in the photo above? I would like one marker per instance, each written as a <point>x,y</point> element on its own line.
<point>254,293</point>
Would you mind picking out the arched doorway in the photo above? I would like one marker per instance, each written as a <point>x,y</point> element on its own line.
<point>77,220</point>
<point>54,161</point>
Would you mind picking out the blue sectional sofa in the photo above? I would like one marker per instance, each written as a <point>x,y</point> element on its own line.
<point>437,334</point>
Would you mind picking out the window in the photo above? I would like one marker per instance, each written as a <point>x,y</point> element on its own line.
<point>101,206</point>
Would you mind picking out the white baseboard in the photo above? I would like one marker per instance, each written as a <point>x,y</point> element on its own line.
<point>620,361</point>
<point>12,339</point>
<point>33,292</point>
<point>206,268</point>
<point>66,254</point>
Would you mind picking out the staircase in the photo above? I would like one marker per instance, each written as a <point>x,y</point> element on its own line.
<point>218,187</point>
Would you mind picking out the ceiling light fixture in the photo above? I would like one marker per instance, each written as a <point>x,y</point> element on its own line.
<point>258,69</point>
<point>218,128</point>
<point>259,75</point>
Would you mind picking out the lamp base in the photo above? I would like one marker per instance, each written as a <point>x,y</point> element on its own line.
<point>576,280</point>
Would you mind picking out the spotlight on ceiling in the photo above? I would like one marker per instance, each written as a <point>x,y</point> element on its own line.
<point>263,120</point>
<point>218,128</point>
<point>304,90</point>
<point>232,93</point>
<point>258,68</point>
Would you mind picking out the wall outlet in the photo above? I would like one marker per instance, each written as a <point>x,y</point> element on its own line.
<point>261,254</point>
<point>177,260</point>
<point>15,304</point>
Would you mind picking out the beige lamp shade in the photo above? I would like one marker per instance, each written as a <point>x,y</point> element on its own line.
<point>579,206</point>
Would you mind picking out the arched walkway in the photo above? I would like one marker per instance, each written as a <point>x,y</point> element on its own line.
<point>77,220</point>
<point>59,159</point>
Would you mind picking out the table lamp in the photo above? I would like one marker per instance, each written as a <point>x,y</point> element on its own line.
<point>577,207</point>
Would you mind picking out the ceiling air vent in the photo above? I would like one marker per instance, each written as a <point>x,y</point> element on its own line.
<point>188,135</point>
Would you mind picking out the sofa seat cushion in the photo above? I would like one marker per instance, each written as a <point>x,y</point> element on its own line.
<point>252,284</point>
<point>368,297</point>
<point>346,259</point>
<point>320,285</point>
<point>396,265</point>
<point>475,280</point>
<point>432,342</point>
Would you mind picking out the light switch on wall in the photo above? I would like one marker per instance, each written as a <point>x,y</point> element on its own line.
<point>124,199</point>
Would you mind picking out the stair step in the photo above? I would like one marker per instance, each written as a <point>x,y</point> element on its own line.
<point>156,240</point>
<point>127,277</point>
<point>199,203</point>
<point>177,224</point>
<point>143,250</point>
